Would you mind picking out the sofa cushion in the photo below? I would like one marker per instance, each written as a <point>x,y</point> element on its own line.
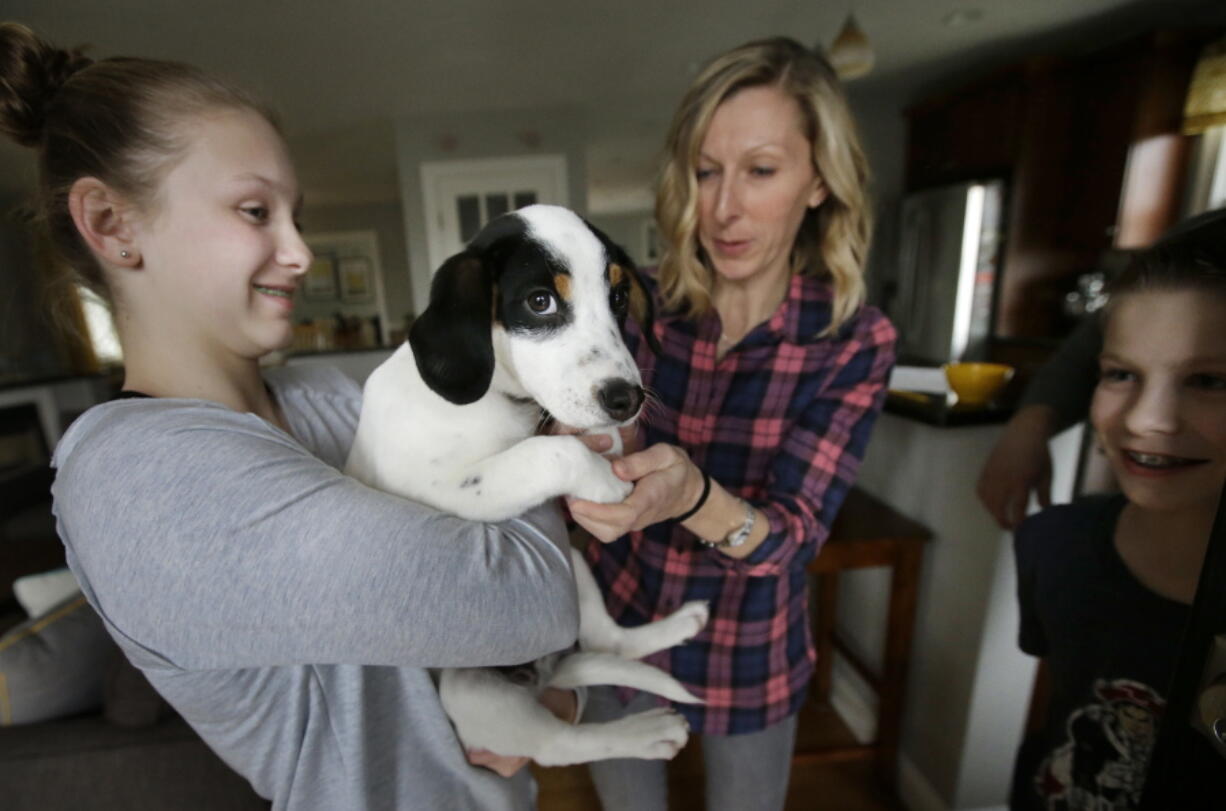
<point>53,665</point>
<point>39,593</point>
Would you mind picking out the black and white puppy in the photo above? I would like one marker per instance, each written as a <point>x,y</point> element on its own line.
<point>524,323</point>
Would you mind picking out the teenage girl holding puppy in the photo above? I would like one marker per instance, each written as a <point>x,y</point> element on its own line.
<point>286,611</point>
<point>1105,583</point>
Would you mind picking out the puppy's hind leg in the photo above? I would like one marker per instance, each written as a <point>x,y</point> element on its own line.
<point>491,713</point>
<point>586,669</point>
<point>597,630</point>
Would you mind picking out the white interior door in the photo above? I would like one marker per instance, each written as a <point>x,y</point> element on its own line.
<point>462,196</point>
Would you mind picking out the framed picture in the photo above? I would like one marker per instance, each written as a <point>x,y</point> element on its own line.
<point>320,282</point>
<point>357,282</point>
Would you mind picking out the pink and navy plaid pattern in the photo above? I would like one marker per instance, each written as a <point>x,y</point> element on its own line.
<point>782,420</point>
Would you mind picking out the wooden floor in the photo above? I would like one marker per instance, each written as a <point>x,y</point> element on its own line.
<point>835,787</point>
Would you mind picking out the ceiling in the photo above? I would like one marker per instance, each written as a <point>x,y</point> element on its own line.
<point>341,73</point>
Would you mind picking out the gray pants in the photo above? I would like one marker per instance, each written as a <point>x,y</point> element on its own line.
<point>742,772</point>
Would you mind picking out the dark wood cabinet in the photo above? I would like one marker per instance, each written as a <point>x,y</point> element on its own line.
<point>971,134</point>
<point>1061,131</point>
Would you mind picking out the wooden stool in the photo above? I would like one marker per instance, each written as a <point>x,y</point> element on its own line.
<point>867,533</point>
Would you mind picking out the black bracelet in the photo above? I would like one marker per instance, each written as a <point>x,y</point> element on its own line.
<point>706,491</point>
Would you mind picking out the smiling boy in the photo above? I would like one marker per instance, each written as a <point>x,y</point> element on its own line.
<point>1105,584</point>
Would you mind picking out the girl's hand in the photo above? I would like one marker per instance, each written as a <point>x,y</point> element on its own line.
<point>667,484</point>
<point>561,703</point>
<point>502,765</point>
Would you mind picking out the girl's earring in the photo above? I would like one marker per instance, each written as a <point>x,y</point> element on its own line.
<point>124,254</point>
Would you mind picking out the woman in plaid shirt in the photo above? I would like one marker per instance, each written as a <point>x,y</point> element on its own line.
<point>771,375</point>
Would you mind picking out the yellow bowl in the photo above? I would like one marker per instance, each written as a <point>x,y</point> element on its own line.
<point>977,383</point>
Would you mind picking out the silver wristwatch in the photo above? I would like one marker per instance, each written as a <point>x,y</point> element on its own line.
<point>739,535</point>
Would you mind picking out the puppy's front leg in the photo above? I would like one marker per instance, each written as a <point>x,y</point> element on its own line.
<point>529,472</point>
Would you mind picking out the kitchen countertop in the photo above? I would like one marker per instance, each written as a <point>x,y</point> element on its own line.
<point>933,409</point>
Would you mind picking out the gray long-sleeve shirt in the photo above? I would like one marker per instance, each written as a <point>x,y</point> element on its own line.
<point>288,611</point>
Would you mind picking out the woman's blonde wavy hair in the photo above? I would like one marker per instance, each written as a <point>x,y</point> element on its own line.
<point>833,238</point>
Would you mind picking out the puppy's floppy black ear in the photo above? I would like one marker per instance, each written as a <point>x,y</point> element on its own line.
<point>451,340</point>
<point>642,308</point>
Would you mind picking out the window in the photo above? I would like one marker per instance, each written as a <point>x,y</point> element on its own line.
<point>102,335</point>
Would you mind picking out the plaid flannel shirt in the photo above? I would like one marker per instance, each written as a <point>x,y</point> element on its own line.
<point>782,421</point>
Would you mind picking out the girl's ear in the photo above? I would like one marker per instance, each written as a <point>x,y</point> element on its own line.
<point>105,221</point>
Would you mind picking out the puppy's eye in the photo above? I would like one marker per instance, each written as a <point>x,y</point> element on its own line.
<point>618,299</point>
<point>542,303</point>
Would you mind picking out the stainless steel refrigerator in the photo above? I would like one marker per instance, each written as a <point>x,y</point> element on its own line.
<point>949,246</point>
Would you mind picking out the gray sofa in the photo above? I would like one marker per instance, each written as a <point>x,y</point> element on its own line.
<point>87,762</point>
<point>128,752</point>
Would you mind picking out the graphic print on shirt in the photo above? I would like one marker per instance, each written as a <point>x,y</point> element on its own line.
<point>1103,761</point>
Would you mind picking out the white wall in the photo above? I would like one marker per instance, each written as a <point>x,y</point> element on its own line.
<point>487,134</point>
<point>627,231</point>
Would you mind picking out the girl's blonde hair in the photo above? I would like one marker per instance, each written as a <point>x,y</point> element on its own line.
<point>833,238</point>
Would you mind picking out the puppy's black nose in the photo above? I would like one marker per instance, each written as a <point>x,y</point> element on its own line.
<point>620,398</point>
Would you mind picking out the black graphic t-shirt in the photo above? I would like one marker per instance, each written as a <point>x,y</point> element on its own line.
<point>1110,644</point>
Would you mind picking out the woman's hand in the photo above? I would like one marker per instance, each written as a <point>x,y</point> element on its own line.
<point>561,703</point>
<point>667,484</point>
<point>1019,462</point>
<point>601,443</point>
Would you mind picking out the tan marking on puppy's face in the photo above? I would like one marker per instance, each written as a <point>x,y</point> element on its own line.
<point>638,302</point>
<point>616,274</point>
<point>561,283</point>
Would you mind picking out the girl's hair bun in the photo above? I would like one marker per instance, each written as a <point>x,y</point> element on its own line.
<point>32,71</point>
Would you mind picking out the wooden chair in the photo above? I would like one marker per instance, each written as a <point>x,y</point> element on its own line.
<point>869,533</point>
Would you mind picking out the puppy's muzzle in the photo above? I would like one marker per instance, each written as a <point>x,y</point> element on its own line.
<point>620,398</point>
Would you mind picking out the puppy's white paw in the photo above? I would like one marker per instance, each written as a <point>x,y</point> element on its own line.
<point>677,627</point>
<point>657,734</point>
<point>600,484</point>
<point>689,619</point>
